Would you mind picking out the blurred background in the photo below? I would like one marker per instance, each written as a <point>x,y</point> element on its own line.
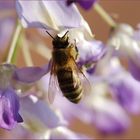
<point>122,11</point>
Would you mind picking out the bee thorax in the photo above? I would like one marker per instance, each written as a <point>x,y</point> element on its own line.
<point>60,57</point>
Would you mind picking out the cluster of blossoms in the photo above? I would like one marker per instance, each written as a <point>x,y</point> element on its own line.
<point>24,91</point>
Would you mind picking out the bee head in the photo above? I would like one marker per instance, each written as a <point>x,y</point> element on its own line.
<point>61,42</point>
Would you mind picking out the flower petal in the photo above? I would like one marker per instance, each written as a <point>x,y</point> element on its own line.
<point>46,14</point>
<point>86,4</point>
<point>64,133</point>
<point>136,35</point>
<point>9,107</point>
<point>126,90</point>
<point>30,74</point>
<point>90,52</point>
<point>127,46</point>
<point>134,69</point>
<point>10,94</point>
<point>38,114</point>
<point>107,119</point>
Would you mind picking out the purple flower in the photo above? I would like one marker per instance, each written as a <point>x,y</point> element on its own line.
<point>9,75</point>
<point>86,4</point>
<point>124,40</point>
<point>48,14</point>
<point>9,107</point>
<point>44,122</point>
<point>100,111</point>
<point>125,89</point>
<point>90,53</point>
<point>38,115</point>
<point>110,117</point>
<point>134,68</point>
<point>30,74</point>
<point>105,111</point>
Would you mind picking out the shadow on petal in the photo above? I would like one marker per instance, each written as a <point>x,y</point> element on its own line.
<point>30,74</point>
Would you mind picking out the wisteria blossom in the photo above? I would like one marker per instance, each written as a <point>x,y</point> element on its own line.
<point>108,71</point>
<point>99,112</point>
<point>8,94</point>
<point>124,40</point>
<point>89,56</point>
<point>44,14</point>
<point>86,4</point>
<point>124,88</point>
<point>45,122</point>
<point>79,32</point>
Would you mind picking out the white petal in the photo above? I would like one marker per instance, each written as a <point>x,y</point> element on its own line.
<point>38,116</point>
<point>109,116</point>
<point>49,14</point>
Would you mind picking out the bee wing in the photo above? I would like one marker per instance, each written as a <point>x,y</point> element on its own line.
<point>53,87</point>
<point>84,81</point>
<point>52,83</point>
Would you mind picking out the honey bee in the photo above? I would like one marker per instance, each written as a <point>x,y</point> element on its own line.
<point>65,74</point>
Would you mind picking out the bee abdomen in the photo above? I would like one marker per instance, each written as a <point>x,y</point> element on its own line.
<point>70,85</point>
<point>74,95</point>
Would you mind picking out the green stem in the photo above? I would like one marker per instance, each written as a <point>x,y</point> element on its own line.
<point>13,47</point>
<point>105,15</point>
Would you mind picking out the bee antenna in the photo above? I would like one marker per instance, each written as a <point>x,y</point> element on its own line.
<point>50,35</point>
<point>65,33</point>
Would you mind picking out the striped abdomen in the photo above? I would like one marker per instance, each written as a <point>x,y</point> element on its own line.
<point>70,85</point>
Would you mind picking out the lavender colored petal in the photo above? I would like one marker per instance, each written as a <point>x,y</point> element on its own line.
<point>64,105</point>
<point>86,4</point>
<point>39,113</point>
<point>46,14</point>
<point>10,94</point>
<point>121,40</point>
<point>9,107</point>
<point>90,70</point>
<point>6,119</point>
<point>91,51</point>
<point>136,35</point>
<point>110,117</point>
<point>134,69</point>
<point>126,90</point>
<point>128,47</point>
<point>30,74</point>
